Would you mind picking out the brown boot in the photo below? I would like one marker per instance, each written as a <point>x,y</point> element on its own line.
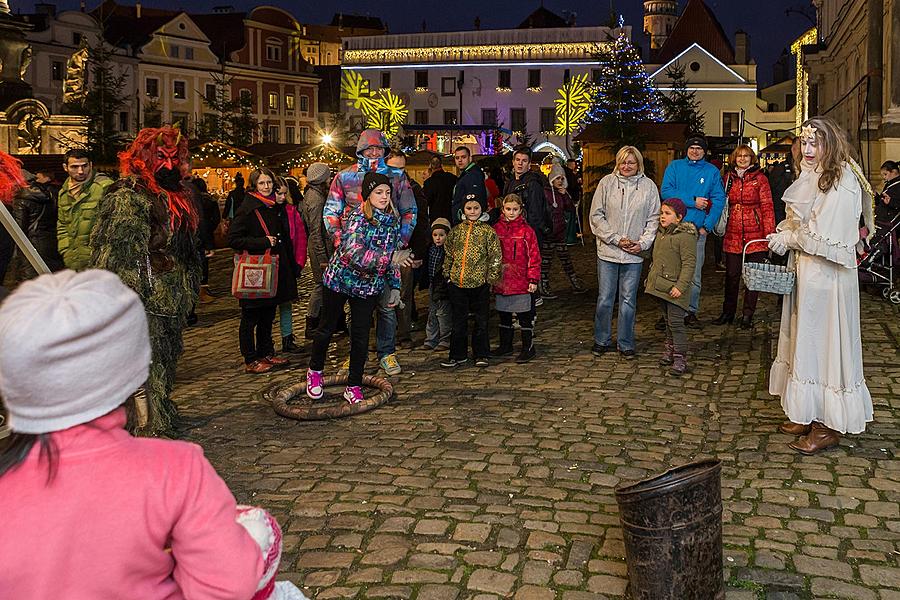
<point>792,428</point>
<point>819,438</point>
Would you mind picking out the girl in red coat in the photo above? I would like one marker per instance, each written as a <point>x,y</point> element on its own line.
<point>521,274</point>
<point>751,216</point>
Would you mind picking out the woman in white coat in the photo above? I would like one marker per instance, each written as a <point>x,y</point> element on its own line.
<point>818,371</point>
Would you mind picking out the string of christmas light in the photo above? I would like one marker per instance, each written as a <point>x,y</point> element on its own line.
<point>224,153</point>
<point>463,53</point>
<point>325,154</point>
<point>623,91</point>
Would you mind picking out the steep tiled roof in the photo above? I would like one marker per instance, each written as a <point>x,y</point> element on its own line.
<point>357,21</point>
<point>697,24</point>
<point>542,19</point>
<point>122,27</point>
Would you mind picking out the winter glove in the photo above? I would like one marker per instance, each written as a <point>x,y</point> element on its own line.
<point>402,258</point>
<point>778,242</point>
<point>393,298</point>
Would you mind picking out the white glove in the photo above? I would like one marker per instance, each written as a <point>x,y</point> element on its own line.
<point>393,298</point>
<point>402,258</point>
<point>778,242</point>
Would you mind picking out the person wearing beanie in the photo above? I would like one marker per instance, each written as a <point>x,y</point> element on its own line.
<point>698,184</point>
<point>319,248</point>
<point>473,261</point>
<point>360,270</point>
<point>147,518</point>
<point>670,279</point>
<point>345,195</point>
<point>559,202</point>
<point>439,325</point>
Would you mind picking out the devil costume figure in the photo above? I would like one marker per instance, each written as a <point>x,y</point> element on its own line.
<point>146,233</point>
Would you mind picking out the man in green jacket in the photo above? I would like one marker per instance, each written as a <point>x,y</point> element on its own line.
<point>78,200</point>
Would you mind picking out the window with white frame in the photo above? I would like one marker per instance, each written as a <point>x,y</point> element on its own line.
<point>273,100</point>
<point>179,90</point>
<point>304,103</point>
<point>151,87</point>
<point>304,135</point>
<point>273,49</point>
<point>289,134</point>
<point>289,101</point>
<point>272,133</point>
<point>731,124</point>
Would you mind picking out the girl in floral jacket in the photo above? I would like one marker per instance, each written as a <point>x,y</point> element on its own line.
<point>751,216</point>
<point>357,273</point>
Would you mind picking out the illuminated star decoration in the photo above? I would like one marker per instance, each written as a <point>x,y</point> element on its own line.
<point>808,131</point>
<point>573,104</point>
<point>383,109</point>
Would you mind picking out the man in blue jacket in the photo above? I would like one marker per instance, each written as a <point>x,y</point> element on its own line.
<point>698,184</point>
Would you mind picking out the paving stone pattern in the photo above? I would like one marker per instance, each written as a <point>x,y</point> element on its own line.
<point>498,482</point>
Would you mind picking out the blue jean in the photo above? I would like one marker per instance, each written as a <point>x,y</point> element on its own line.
<point>439,326</point>
<point>624,278</point>
<point>286,318</point>
<point>385,326</point>
<point>695,284</point>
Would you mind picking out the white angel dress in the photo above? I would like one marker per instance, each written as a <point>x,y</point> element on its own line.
<point>818,369</point>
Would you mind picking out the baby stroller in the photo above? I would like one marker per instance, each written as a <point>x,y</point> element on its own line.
<point>876,264</point>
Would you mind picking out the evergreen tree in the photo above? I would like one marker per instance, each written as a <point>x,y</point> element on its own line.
<point>624,94</point>
<point>229,120</point>
<point>682,106</point>
<point>101,104</point>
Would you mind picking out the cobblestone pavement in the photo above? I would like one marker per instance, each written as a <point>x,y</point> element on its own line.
<point>498,482</point>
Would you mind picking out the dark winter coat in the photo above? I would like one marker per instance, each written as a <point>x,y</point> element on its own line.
<point>433,274</point>
<point>210,217</point>
<point>674,259</point>
<point>421,235</point>
<point>34,208</point>
<point>751,213</point>
<point>521,256</point>
<point>311,208</point>
<point>469,186</point>
<point>558,204</point>
<point>438,190</point>
<point>530,188</point>
<point>885,213</point>
<point>233,202</point>
<point>246,234</point>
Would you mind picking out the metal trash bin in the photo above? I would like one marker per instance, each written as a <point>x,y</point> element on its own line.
<point>672,527</point>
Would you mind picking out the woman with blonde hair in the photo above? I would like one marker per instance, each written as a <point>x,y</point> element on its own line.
<point>624,216</point>
<point>818,371</point>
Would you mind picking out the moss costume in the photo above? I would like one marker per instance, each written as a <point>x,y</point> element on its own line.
<point>134,238</point>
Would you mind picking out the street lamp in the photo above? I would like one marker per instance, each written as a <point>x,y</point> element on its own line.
<point>327,139</point>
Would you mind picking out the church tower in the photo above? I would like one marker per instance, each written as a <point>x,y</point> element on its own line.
<point>659,19</point>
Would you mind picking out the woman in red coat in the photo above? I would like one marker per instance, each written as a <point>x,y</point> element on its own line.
<point>751,216</point>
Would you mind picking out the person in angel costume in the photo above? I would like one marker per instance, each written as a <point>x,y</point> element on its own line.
<point>818,370</point>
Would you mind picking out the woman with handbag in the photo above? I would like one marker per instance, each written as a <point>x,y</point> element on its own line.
<point>260,228</point>
<point>751,216</point>
<point>818,371</point>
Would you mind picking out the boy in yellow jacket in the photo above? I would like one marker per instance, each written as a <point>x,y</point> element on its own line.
<point>473,262</point>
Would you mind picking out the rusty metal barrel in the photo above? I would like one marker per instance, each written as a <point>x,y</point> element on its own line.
<point>672,526</point>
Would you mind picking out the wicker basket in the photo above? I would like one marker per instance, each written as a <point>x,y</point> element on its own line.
<point>766,277</point>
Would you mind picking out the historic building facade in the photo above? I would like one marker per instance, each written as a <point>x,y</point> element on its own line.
<point>852,66</point>
<point>508,78</point>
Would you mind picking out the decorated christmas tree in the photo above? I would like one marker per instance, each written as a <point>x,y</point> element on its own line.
<point>623,92</point>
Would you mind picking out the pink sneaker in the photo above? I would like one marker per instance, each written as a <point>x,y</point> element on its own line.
<point>315,386</point>
<point>353,394</point>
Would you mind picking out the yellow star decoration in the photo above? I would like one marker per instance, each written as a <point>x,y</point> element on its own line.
<point>383,109</point>
<point>573,104</point>
<point>808,132</point>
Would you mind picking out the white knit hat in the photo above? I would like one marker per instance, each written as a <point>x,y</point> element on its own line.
<point>73,347</point>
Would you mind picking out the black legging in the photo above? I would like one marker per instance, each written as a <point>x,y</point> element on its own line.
<point>257,320</point>
<point>361,311</point>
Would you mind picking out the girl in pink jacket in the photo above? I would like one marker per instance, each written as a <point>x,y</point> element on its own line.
<point>297,230</point>
<point>88,510</point>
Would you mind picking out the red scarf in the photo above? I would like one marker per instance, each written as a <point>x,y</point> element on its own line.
<point>269,202</point>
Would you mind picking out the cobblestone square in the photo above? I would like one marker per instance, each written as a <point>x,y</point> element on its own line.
<point>498,482</point>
